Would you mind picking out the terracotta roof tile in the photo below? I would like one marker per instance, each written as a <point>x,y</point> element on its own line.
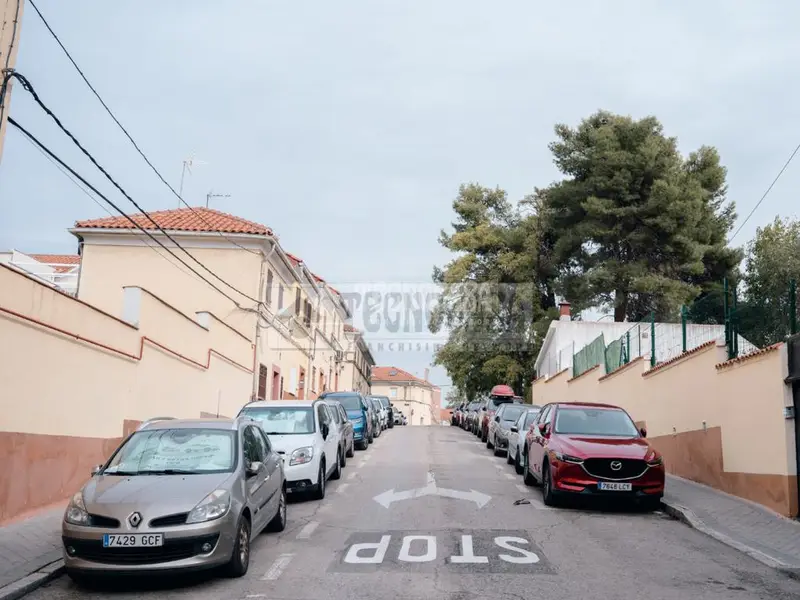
<point>395,374</point>
<point>199,219</point>
<point>744,357</point>
<point>681,356</point>
<point>58,259</point>
<point>350,328</point>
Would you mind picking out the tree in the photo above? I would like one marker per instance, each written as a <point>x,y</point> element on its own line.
<point>636,227</point>
<point>454,397</point>
<point>772,261</point>
<point>496,293</point>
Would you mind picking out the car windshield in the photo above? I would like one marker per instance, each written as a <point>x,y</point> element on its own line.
<point>385,402</point>
<point>594,421</point>
<point>496,401</point>
<point>512,413</point>
<point>531,417</point>
<point>349,401</point>
<point>184,451</point>
<point>283,420</point>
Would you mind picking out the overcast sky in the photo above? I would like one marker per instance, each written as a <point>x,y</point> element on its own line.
<point>348,126</point>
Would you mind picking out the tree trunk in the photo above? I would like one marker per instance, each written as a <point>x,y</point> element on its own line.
<point>620,305</point>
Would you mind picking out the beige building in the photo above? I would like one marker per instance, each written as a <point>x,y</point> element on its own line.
<point>358,362</point>
<point>418,399</point>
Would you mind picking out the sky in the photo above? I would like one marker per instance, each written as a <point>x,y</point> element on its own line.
<point>348,126</point>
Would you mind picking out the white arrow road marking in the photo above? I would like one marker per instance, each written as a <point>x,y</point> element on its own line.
<point>341,487</point>
<point>277,567</point>
<point>306,531</point>
<point>387,498</point>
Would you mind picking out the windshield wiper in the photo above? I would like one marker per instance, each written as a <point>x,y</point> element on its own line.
<point>167,472</point>
<point>121,473</point>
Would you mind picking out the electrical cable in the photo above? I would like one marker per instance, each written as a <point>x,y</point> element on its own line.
<point>27,86</point>
<point>49,152</point>
<point>769,189</point>
<point>125,131</point>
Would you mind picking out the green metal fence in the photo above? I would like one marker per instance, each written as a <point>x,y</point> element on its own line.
<point>591,355</point>
<point>759,319</point>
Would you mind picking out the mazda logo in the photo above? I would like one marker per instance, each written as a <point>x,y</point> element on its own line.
<point>135,519</point>
<point>616,465</point>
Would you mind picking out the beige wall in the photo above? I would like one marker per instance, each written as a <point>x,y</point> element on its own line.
<point>410,397</point>
<point>730,413</point>
<point>71,372</point>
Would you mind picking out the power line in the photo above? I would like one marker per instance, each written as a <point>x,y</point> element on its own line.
<point>769,189</point>
<point>33,138</point>
<point>27,86</point>
<point>125,131</point>
<point>78,185</point>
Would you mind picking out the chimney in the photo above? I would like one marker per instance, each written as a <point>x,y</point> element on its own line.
<point>427,372</point>
<point>563,310</point>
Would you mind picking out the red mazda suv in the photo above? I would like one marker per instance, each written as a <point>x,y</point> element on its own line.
<point>592,450</point>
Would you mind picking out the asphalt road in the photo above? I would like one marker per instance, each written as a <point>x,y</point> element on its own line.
<point>443,543</point>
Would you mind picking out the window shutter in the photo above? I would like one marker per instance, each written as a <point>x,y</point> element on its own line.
<point>297,302</point>
<point>293,381</point>
<point>269,287</point>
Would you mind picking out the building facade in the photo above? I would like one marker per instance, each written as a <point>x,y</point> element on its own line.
<point>358,362</point>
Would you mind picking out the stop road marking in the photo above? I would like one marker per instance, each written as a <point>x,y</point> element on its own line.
<point>475,551</point>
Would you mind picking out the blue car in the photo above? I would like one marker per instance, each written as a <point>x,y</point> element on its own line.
<point>358,413</point>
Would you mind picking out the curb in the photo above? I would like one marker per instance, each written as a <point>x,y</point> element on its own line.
<point>37,579</point>
<point>685,515</point>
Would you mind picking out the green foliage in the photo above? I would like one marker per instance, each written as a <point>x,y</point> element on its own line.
<point>636,227</point>
<point>772,261</point>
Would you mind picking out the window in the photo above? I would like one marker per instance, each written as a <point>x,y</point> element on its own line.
<point>269,288</point>
<point>297,302</point>
<point>307,313</point>
<point>280,297</point>
<point>250,447</point>
<point>594,421</point>
<point>342,413</point>
<point>349,401</point>
<point>323,416</point>
<point>262,382</point>
<point>313,378</point>
<point>337,415</point>
<point>261,441</point>
<point>325,325</point>
<point>282,420</point>
<point>393,392</point>
<point>267,445</point>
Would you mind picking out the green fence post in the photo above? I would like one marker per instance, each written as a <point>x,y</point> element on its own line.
<point>628,349</point>
<point>652,339</point>
<point>683,325</point>
<point>734,324</point>
<point>793,306</point>
<point>727,318</point>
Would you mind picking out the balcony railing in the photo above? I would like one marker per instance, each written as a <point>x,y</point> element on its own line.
<point>62,276</point>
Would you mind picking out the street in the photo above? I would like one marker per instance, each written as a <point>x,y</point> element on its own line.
<point>447,539</point>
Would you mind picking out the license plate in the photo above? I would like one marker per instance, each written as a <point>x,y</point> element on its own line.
<point>614,486</point>
<point>137,540</point>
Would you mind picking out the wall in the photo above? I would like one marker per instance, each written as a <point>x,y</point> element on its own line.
<point>76,379</point>
<point>410,397</point>
<point>718,422</point>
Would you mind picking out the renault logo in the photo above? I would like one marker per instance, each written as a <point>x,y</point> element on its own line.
<point>135,519</point>
<point>616,465</point>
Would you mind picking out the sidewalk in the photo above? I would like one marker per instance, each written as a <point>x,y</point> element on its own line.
<point>762,534</point>
<point>28,550</point>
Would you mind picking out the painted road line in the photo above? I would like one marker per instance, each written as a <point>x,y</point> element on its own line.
<point>341,487</point>
<point>306,531</point>
<point>510,476</point>
<point>277,567</point>
<point>523,488</point>
<point>352,475</point>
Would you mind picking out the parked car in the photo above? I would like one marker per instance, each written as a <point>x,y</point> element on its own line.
<point>500,426</point>
<point>380,412</point>
<point>345,426</point>
<point>376,407</point>
<point>398,417</point>
<point>592,450</point>
<point>472,416</point>
<point>516,437</point>
<point>455,418</point>
<point>175,495</point>
<point>500,394</point>
<point>305,434</point>
<point>358,413</point>
<point>388,411</point>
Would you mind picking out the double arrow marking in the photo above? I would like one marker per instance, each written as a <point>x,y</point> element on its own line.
<point>390,496</point>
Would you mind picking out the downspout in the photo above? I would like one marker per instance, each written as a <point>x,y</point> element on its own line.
<point>261,302</point>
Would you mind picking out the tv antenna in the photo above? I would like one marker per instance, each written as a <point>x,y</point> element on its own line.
<point>211,195</point>
<point>187,166</point>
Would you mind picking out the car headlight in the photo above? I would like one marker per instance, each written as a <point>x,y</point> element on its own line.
<point>358,422</point>
<point>654,460</point>
<point>76,512</point>
<point>302,456</point>
<point>213,506</point>
<point>567,458</point>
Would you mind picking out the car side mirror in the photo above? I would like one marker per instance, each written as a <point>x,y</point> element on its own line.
<point>497,419</point>
<point>96,469</point>
<point>643,431</point>
<point>483,408</point>
<point>543,428</point>
<point>253,468</point>
<point>514,429</point>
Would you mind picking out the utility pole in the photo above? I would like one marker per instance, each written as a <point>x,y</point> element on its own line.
<point>10,29</point>
<point>211,194</point>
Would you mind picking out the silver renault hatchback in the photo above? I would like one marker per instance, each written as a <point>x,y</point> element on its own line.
<point>177,495</point>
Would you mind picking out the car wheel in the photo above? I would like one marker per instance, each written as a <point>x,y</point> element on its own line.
<point>351,451</point>
<point>517,464</point>
<point>343,456</point>
<point>363,444</point>
<point>485,437</point>
<point>240,559</point>
<point>529,478</point>
<point>337,470</point>
<point>548,497</point>
<point>278,522</point>
<point>489,443</point>
<point>319,492</point>
<point>509,459</point>
<point>371,438</point>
